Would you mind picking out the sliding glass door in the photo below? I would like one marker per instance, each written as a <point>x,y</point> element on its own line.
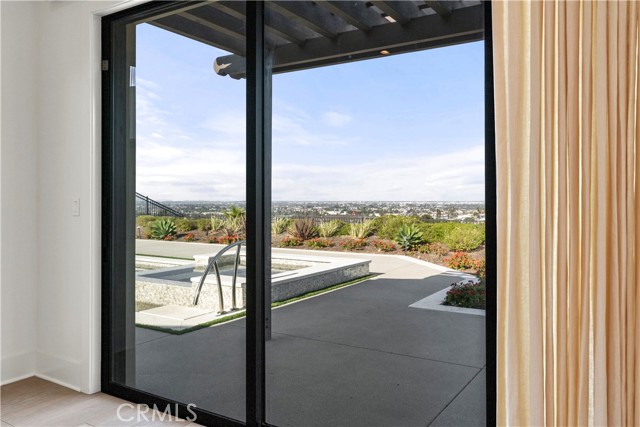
<point>317,308</point>
<point>177,198</point>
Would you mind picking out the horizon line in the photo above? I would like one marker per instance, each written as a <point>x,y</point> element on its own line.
<point>331,201</point>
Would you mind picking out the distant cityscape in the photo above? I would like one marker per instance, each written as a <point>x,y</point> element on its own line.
<point>427,211</point>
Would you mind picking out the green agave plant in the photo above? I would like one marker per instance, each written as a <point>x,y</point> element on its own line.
<point>408,237</point>
<point>163,228</point>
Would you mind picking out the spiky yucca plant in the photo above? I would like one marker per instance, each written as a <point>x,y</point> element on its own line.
<point>216,223</point>
<point>361,230</point>
<point>279,225</point>
<point>329,228</point>
<point>303,229</point>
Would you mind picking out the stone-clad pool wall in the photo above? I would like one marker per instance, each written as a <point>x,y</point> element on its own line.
<point>313,273</point>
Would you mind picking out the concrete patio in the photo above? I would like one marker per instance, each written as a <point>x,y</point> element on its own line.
<point>357,356</point>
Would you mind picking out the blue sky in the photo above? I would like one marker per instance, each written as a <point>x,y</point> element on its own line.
<point>404,127</point>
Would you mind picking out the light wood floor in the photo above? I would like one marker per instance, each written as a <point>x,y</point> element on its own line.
<point>36,402</point>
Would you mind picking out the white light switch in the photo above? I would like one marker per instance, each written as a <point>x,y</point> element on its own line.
<point>75,207</point>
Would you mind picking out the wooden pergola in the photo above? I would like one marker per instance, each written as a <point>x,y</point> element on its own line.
<point>308,34</point>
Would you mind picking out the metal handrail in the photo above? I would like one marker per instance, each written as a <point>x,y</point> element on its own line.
<point>213,263</point>
<point>158,207</point>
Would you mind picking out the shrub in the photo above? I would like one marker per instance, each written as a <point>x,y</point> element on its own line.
<point>433,248</point>
<point>145,220</point>
<point>383,246</point>
<point>234,225</point>
<point>467,294</point>
<point>184,224</point>
<point>204,224</point>
<point>465,237</point>
<point>329,228</point>
<point>280,225</point>
<point>459,261</point>
<point>189,237</point>
<point>212,240</point>
<point>234,212</point>
<point>289,241</point>
<point>318,242</point>
<point>216,223</point>
<point>169,237</point>
<point>361,230</point>
<point>481,268</point>
<point>389,225</point>
<point>344,230</point>
<point>435,232</point>
<point>408,237</point>
<point>229,238</point>
<point>163,228</point>
<point>234,222</point>
<point>424,249</point>
<point>303,229</point>
<point>352,244</point>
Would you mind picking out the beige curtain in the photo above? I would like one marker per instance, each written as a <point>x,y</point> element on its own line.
<point>568,171</point>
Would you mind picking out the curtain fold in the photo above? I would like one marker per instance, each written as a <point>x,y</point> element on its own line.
<point>568,173</point>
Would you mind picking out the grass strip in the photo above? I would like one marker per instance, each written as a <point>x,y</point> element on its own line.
<point>322,291</point>
<point>243,313</point>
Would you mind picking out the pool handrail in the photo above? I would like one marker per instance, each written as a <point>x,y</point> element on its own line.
<point>213,263</point>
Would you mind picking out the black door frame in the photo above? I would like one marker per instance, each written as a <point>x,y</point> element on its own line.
<point>114,205</point>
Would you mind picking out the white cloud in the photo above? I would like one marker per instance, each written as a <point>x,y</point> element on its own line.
<point>452,176</point>
<point>209,173</point>
<point>177,164</point>
<point>230,123</point>
<point>295,127</point>
<point>174,164</point>
<point>335,119</point>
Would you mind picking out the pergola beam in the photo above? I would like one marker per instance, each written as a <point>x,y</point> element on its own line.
<point>311,16</point>
<point>193,30</point>
<point>442,8</point>
<point>425,28</point>
<point>217,21</point>
<point>274,23</point>
<point>355,13</point>
<point>420,33</point>
<point>400,11</point>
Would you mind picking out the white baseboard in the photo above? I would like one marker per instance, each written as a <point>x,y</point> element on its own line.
<point>64,372</point>
<point>57,381</point>
<point>17,367</point>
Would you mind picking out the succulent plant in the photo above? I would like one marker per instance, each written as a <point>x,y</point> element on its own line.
<point>303,229</point>
<point>163,228</point>
<point>408,237</point>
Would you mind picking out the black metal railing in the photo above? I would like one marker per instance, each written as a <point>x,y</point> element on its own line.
<point>147,206</point>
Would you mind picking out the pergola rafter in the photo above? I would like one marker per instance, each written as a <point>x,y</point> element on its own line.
<point>307,34</point>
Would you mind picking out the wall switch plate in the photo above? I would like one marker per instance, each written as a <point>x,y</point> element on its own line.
<point>75,207</point>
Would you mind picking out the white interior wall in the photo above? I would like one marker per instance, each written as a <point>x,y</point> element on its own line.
<point>50,155</point>
<point>18,188</point>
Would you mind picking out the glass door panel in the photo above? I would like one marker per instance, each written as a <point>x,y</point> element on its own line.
<point>378,178</point>
<point>181,301</point>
